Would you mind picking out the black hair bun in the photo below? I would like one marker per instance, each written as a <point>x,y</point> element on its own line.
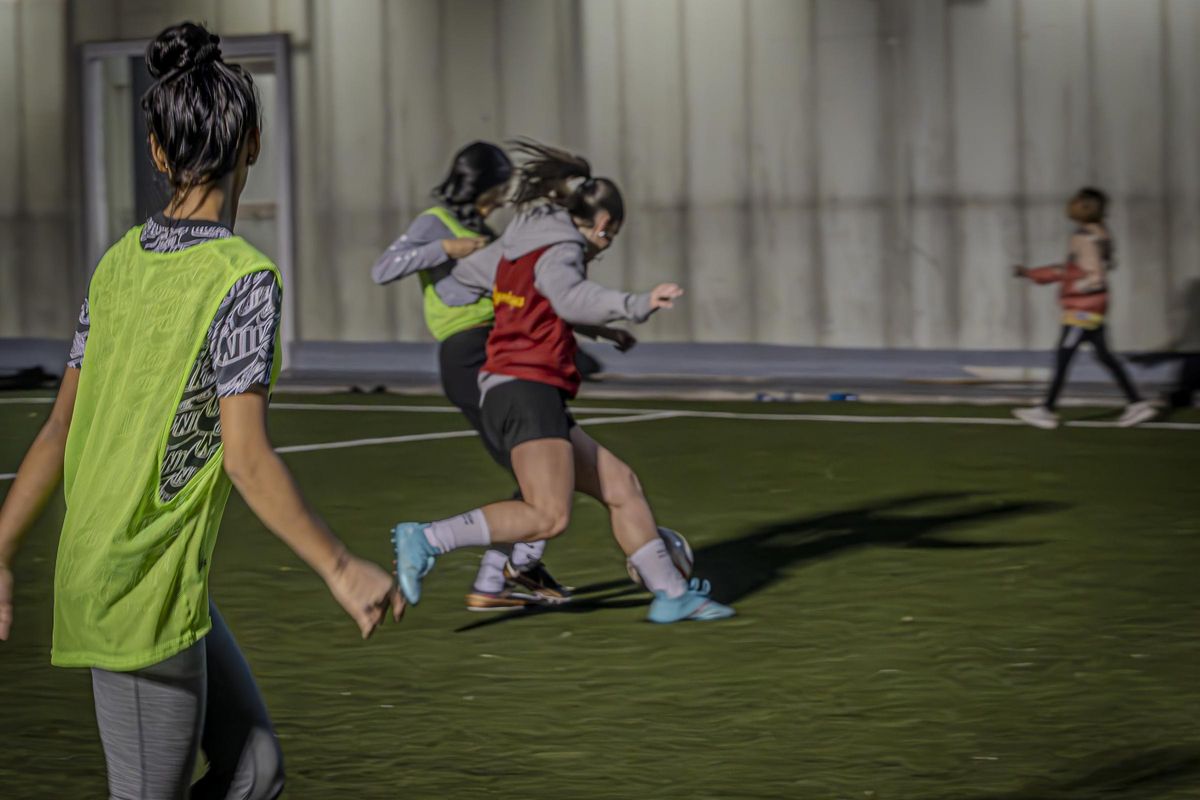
<point>182,47</point>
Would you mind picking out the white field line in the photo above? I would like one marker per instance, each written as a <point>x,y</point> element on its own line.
<point>428,409</point>
<point>667,413</point>
<point>408,409</point>
<point>851,418</point>
<point>415,437</point>
<point>428,437</point>
<point>649,415</point>
<point>363,407</point>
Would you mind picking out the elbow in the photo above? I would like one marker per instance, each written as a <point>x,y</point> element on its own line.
<point>241,467</point>
<point>54,430</point>
<point>379,273</point>
<point>235,470</point>
<point>583,315</point>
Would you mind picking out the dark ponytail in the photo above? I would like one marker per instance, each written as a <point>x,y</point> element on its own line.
<point>565,180</point>
<point>478,169</point>
<point>199,109</point>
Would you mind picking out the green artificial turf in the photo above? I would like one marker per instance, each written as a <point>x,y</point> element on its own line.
<point>925,612</point>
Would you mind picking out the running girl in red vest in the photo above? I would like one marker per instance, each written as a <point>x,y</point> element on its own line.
<point>163,401</point>
<point>1083,296</point>
<point>537,273</point>
<point>460,318</point>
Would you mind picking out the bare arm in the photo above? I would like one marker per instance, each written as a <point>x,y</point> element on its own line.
<point>39,475</point>
<point>362,588</point>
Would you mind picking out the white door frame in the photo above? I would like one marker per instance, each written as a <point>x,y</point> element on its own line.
<point>271,47</point>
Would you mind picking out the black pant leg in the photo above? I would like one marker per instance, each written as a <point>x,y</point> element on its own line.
<point>244,758</point>
<point>460,357</point>
<point>1068,342</point>
<point>1105,356</point>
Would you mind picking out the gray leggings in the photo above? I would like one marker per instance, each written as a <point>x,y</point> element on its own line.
<point>153,721</point>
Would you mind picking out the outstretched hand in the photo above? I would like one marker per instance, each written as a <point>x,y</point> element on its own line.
<point>664,295</point>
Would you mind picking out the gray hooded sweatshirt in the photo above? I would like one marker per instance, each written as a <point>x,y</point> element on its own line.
<point>561,273</point>
<point>560,276</point>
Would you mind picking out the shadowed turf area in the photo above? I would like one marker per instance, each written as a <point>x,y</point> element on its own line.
<point>927,611</point>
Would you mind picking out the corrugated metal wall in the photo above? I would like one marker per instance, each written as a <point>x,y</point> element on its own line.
<point>817,172</point>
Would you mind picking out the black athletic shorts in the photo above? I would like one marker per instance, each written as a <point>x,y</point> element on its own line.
<point>520,411</point>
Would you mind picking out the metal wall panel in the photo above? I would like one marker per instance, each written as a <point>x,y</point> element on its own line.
<point>987,177</point>
<point>929,236</point>
<point>12,177</point>
<point>815,172</point>
<point>1056,143</point>
<point>783,254</point>
<point>1131,162</point>
<point>1182,104</point>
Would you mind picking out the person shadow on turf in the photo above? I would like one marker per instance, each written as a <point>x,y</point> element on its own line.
<point>1184,350</point>
<point>754,561</point>
<point>751,562</point>
<point>1116,773</point>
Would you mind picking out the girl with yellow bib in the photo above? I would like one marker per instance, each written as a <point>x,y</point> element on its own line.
<point>162,409</point>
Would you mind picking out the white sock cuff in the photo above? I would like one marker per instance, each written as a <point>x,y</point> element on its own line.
<point>466,530</point>
<point>659,574</point>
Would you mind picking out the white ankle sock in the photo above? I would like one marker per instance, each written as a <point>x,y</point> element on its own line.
<point>465,530</point>
<point>653,563</point>
<point>527,554</point>
<point>490,577</point>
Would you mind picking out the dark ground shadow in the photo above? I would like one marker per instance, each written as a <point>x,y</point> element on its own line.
<point>1138,776</point>
<point>739,567</point>
<point>1184,351</point>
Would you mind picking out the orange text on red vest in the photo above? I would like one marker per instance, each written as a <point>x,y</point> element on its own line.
<point>508,298</point>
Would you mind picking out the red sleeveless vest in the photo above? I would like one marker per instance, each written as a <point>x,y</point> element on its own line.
<point>529,340</point>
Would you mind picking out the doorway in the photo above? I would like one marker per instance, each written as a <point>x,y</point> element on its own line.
<point>121,186</point>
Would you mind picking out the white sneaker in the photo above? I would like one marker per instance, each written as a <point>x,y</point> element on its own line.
<point>1038,417</point>
<point>1137,413</point>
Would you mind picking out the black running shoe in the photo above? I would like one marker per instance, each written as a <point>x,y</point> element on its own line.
<point>537,580</point>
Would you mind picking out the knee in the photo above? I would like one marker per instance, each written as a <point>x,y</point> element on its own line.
<point>551,523</point>
<point>266,776</point>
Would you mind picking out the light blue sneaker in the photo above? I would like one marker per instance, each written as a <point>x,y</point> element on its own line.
<point>693,604</point>
<point>414,558</point>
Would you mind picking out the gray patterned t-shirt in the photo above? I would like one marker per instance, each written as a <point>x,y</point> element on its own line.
<point>237,353</point>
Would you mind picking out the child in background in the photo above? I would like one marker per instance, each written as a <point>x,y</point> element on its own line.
<point>1083,296</point>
